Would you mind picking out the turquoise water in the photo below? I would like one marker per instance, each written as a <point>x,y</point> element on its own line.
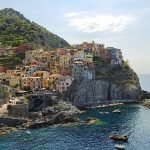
<point>134,121</point>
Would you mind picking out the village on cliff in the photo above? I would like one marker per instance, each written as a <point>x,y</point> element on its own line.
<point>45,74</point>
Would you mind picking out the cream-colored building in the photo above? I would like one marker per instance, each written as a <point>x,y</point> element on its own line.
<point>24,81</point>
<point>64,83</point>
<point>86,55</point>
<point>64,60</point>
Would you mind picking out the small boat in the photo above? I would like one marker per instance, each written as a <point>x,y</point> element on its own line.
<point>119,138</point>
<point>106,112</point>
<point>28,132</point>
<point>116,111</point>
<point>118,146</point>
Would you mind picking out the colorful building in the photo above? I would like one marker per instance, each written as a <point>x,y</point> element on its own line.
<point>115,55</point>
<point>14,81</point>
<point>31,69</point>
<point>2,69</point>
<point>82,70</point>
<point>53,80</point>
<point>85,54</point>
<point>100,51</point>
<point>35,83</point>
<point>64,83</point>
<point>64,60</point>
<point>42,74</point>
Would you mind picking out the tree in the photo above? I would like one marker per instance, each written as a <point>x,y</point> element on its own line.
<point>126,65</point>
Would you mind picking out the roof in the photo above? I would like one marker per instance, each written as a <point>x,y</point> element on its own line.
<point>34,77</point>
<point>55,75</point>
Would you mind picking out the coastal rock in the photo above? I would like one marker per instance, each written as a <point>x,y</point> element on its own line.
<point>90,121</point>
<point>126,91</point>
<point>93,92</point>
<point>64,117</point>
<point>6,130</point>
<point>12,122</point>
<point>60,113</point>
<point>65,106</point>
<point>146,103</point>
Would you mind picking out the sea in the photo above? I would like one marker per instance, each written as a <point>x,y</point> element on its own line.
<point>133,121</point>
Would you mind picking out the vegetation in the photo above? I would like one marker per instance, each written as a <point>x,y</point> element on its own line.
<point>101,61</point>
<point>126,65</point>
<point>16,30</point>
<point>10,61</point>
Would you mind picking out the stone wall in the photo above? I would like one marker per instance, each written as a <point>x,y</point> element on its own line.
<point>20,110</point>
<point>12,121</point>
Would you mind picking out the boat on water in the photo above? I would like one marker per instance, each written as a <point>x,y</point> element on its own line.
<point>106,112</point>
<point>119,138</point>
<point>116,111</point>
<point>28,132</point>
<point>119,146</point>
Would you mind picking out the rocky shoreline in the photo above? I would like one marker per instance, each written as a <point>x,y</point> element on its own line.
<point>146,103</point>
<point>60,113</point>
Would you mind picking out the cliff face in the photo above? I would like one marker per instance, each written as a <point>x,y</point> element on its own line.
<point>93,92</point>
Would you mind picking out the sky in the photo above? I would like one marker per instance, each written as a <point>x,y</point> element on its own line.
<point>123,24</point>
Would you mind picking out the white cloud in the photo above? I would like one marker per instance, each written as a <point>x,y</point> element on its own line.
<point>90,23</point>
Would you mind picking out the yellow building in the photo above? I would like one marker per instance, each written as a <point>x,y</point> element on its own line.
<point>43,56</point>
<point>64,60</point>
<point>42,74</point>
<point>14,81</point>
<point>53,80</point>
<point>46,83</point>
<point>55,68</point>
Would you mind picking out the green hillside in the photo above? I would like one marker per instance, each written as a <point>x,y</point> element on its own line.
<point>15,30</point>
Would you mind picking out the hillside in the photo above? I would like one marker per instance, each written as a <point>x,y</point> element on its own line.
<point>15,30</point>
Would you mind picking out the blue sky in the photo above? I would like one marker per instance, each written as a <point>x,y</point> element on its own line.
<point>123,24</point>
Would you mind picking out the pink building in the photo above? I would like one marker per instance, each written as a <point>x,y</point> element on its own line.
<point>2,69</point>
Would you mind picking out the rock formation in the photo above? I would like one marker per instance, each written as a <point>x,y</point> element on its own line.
<point>105,90</point>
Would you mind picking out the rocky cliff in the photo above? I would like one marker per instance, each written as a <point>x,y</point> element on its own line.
<point>123,85</point>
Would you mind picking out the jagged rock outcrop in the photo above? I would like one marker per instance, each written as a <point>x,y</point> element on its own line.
<point>60,113</point>
<point>146,103</point>
<point>64,117</point>
<point>93,92</point>
<point>127,91</point>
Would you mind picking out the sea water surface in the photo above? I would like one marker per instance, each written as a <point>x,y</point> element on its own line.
<point>133,121</point>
